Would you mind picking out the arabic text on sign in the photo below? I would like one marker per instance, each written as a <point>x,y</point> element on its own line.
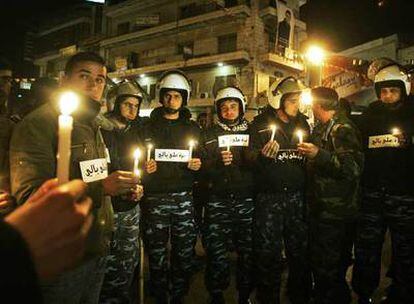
<point>172,155</point>
<point>236,140</point>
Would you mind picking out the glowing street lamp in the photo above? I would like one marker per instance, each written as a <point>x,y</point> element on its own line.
<point>315,55</point>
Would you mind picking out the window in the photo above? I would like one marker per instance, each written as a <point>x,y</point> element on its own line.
<point>227,43</point>
<point>123,28</point>
<point>188,11</point>
<point>187,49</point>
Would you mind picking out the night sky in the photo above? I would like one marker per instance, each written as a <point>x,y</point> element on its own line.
<point>338,24</point>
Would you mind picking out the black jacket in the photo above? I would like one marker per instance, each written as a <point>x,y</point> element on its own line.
<point>287,172</point>
<point>169,134</point>
<point>389,168</point>
<point>235,179</point>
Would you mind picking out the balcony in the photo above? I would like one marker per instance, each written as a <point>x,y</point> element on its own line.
<point>239,57</point>
<point>240,10</point>
<point>295,63</point>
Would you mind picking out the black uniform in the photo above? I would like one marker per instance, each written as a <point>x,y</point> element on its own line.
<point>280,211</point>
<point>388,202</point>
<point>167,208</point>
<point>229,212</point>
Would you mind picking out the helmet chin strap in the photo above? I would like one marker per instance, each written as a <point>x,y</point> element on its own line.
<point>229,122</point>
<point>168,110</point>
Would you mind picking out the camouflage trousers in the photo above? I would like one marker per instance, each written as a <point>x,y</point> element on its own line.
<point>331,244</point>
<point>228,224</point>
<point>379,212</point>
<point>169,218</point>
<point>281,218</point>
<point>123,259</point>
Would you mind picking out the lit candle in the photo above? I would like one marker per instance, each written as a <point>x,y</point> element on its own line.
<point>68,103</point>
<point>272,137</point>
<point>137,155</point>
<point>395,131</point>
<point>149,148</point>
<point>300,136</point>
<point>190,150</point>
<point>228,145</point>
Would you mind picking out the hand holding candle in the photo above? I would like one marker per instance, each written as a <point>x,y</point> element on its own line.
<point>68,103</point>
<point>193,163</point>
<point>402,141</point>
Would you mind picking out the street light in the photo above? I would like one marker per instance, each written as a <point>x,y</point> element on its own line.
<point>315,55</point>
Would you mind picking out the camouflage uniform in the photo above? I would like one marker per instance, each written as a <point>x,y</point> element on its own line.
<point>334,204</point>
<point>228,219</point>
<point>388,203</point>
<point>167,216</point>
<point>280,211</point>
<point>123,258</point>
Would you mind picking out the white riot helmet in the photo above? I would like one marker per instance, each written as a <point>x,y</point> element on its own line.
<point>230,93</point>
<point>278,89</point>
<point>392,76</point>
<point>177,81</point>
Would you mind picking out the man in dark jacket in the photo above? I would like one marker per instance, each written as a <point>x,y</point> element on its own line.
<point>125,251</point>
<point>335,165</point>
<point>168,209</point>
<point>228,217</point>
<point>33,160</point>
<point>280,213</point>
<point>388,197</point>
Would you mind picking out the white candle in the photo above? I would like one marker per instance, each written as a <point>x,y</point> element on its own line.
<point>228,145</point>
<point>272,137</point>
<point>137,155</point>
<point>190,150</point>
<point>68,103</point>
<point>149,149</point>
<point>300,136</point>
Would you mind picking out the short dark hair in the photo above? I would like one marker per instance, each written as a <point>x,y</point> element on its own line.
<point>5,64</point>
<point>82,57</point>
<point>327,98</point>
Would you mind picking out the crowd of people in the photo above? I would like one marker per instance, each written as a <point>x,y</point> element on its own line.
<point>320,194</point>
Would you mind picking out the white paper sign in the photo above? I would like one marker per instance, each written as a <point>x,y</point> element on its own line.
<point>94,170</point>
<point>234,140</point>
<point>289,155</point>
<point>172,155</point>
<point>383,141</point>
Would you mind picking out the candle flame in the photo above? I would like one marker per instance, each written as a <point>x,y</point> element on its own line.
<point>395,131</point>
<point>191,143</point>
<point>68,103</point>
<point>149,146</point>
<point>137,153</point>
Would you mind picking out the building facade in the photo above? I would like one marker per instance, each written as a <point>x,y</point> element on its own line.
<point>231,42</point>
